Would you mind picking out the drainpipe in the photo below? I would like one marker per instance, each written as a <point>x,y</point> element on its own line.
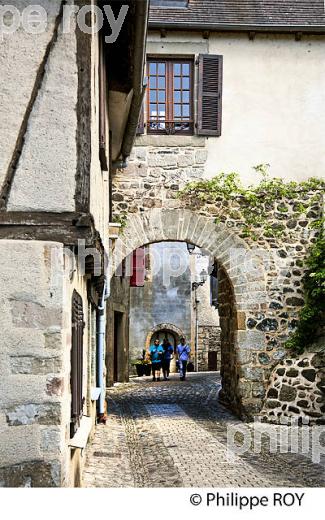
<point>196,331</point>
<point>100,347</point>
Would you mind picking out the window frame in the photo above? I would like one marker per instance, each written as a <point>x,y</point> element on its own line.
<point>169,61</point>
<point>76,363</point>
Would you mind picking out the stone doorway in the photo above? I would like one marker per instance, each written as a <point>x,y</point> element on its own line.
<point>170,332</point>
<point>242,293</point>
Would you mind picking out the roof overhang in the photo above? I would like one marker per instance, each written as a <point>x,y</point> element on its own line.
<point>217,27</point>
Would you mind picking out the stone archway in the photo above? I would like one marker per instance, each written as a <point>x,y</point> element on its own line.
<point>163,326</point>
<point>174,331</point>
<point>244,377</point>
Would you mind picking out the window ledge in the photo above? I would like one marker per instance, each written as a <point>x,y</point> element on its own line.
<point>80,439</point>
<point>170,140</point>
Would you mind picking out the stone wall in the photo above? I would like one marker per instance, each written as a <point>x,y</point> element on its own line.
<point>35,366</point>
<point>208,341</point>
<point>164,298</point>
<point>118,302</point>
<point>155,175</point>
<point>32,367</point>
<point>296,388</point>
<point>265,292</point>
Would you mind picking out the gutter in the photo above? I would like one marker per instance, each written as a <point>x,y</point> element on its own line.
<point>141,29</point>
<point>310,29</point>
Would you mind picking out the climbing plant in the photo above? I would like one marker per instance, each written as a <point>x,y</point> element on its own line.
<point>312,314</point>
<point>263,209</point>
<point>252,204</point>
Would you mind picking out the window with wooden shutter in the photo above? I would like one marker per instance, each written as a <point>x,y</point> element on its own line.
<point>102,106</point>
<point>170,96</point>
<point>210,95</point>
<point>76,375</point>
<point>138,268</point>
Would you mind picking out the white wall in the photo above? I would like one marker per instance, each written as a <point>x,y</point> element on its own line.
<point>273,102</point>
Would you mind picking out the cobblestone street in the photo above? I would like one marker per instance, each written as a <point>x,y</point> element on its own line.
<point>174,434</point>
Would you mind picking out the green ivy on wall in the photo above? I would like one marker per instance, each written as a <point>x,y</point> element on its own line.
<point>254,202</point>
<point>311,317</point>
<point>255,206</point>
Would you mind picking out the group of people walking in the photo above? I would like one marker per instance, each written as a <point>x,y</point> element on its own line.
<point>162,354</point>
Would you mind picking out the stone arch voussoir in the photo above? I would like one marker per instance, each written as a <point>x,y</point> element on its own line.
<point>247,280</point>
<point>163,326</point>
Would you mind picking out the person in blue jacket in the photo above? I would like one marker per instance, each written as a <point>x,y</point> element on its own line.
<point>168,352</point>
<point>183,351</point>
<point>156,354</point>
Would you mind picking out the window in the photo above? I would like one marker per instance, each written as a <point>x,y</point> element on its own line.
<point>169,3</point>
<point>170,96</point>
<point>76,363</point>
<point>214,286</point>
<point>138,267</point>
<point>102,105</point>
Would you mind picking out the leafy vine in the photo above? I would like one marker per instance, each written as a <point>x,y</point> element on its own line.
<point>254,202</point>
<point>312,314</point>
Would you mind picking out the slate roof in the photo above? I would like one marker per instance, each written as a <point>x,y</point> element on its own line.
<point>304,15</point>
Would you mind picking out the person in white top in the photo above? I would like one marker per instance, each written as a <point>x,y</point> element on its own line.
<point>183,351</point>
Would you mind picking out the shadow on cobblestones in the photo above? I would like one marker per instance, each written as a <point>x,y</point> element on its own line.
<point>174,434</point>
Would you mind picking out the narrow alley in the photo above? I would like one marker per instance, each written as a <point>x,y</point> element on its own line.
<point>174,434</point>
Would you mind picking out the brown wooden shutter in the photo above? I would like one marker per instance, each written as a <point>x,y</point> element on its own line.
<point>210,94</point>
<point>140,127</point>
<point>102,106</point>
<point>76,375</point>
<point>138,268</point>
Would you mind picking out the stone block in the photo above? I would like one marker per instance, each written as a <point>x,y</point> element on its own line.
<point>273,393</point>
<point>36,474</point>
<point>45,413</point>
<point>241,321</point>
<point>258,390</point>
<point>253,373</point>
<point>50,439</point>
<point>162,160</point>
<point>292,372</point>
<point>36,365</point>
<point>272,404</point>
<point>288,393</point>
<point>31,314</point>
<point>53,339</point>
<point>141,153</point>
<point>309,374</point>
<point>250,340</point>
<point>244,388</point>
<point>201,156</point>
<point>186,159</point>
<point>244,357</point>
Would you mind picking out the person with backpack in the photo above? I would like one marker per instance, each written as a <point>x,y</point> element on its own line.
<point>183,351</point>
<point>167,355</point>
<point>156,354</point>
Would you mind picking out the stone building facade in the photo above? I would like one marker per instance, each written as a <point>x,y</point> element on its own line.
<point>258,62</point>
<point>166,304</point>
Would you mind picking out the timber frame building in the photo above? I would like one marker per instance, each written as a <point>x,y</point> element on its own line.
<point>70,105</point>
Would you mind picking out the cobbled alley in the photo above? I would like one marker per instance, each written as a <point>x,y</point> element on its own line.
<point>174,434</point>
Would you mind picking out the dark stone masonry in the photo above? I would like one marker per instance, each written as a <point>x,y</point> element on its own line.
<point>253,353</point>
